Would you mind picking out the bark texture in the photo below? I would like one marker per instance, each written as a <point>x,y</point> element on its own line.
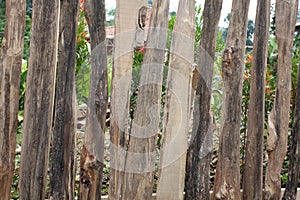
<point>126,23</point>
<point>62,172</point>
<point>10,69</point>
<point>278,122</point>
<point>294,165</point>
<point>197,184</point>
<point>91,164</point>
<point>39,98</point>
<point>253,168</point>
<point>177,106</point>
<point>141,155</point>
<point>227,179</point>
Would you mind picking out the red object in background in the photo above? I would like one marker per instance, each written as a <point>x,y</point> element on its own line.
<point>142,49</point>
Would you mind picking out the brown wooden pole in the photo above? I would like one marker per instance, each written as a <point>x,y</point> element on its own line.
<point>91,165</point>
<point>62,171</point>
<point>278,122</point>
<point>39,98</point>
<point>10,70</point>
<point>197,184</point>
<point>253,168</point>
<point>227,179</point>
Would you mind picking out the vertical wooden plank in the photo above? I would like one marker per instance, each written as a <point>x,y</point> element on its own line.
<point>286,15</point>
<point>294,155</point>
<point>10,69</point>
<point>177,107</point>
<point>141,155</point>
<point>64,130</point>
<point>227,179</point>
<point>91,164</point>
<point>126,23</point>
<point>39,99</point>
<point>253,168</point>
<point>197,184</point>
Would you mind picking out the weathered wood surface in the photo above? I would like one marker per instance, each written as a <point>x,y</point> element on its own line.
<point>141,155</point>
<point>91,165</point>
<point>294,155</point>
<point>253,168</point>
<point>10,70</point>
<point>62,171</point>
<point>38,112</point>
<point>197,184</point>
<point>227,179</point>
<point>126,23</point>
<point>177,106</point>
<point>278,122</point>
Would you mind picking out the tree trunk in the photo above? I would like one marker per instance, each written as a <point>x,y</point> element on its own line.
<point>253,168</point>
<point>62,173</point>
<point>93,150</point>
<point>10,69</point>
<point>126,23</point>
<point>177,107</point>
<point>197,185</point>
<point>286,15</point>
<point>141,155</point>
<point>294,155</point>
<point>39,99</point>
<point>227,179</point>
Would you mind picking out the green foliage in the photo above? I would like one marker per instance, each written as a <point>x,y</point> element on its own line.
<point>245,107</point>
<point>2,20</point>
<point>138,58</point>
<point>82,61</point>
<point>29,8</point>
<point>110,17</point>
<point>14,189</point>
<point>199,23</point>
<point>216,104</point>
<point>27,37</point>
<point>250,32</point>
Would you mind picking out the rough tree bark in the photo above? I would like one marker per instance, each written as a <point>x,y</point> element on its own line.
<point>141,155</point>
<point>91,164</point>
<point>278,122</point>
<point>126,23</point>
<point>177,106</point>
<point>253,168</point>
<point>39,98</point>
<point>294,155</point>
<point>197,184</point>
<point>10,69</point>
<point>62,171</point>
<point>227,179</point>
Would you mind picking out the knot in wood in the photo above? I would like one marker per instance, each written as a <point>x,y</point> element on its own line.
<point>227,61</point>
<point>227,56</point>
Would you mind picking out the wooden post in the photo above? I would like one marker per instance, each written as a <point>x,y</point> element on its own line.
<point>278,122</point>
<point>62,171</point>
<point>293,173</point>
<point>141,155</point>
<point>39,98</point>
<point>253,168</point>
<point>227,179</point>
<point>10,70</point>
<point>126,23</point>
<point>91,164</point>
<point>197,184</point>
<point>177,106</point>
